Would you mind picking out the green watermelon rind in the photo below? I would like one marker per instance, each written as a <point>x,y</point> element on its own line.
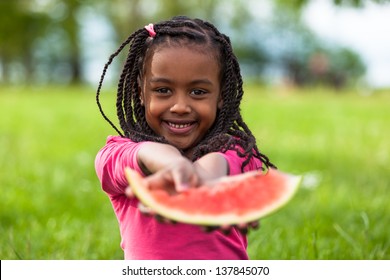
<point>147,199</point>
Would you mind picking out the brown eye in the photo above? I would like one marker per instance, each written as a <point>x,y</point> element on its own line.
<point>163,90</point>
<point>198,92</point>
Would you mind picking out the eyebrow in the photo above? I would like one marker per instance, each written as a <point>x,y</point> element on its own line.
<point>193,82</point>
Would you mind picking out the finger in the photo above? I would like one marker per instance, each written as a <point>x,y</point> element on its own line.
<point>129,192</point>
<point>184,181</point>
<point>226,229</point>
<point>255,224</point>
<point>243,230</point>
<point>159,218</point>
<point>144,209</point>
<point>209,228</point>
<point>162,181</point>
<point>194,181</point>
<point>169,221</point>
<point>155,181</point>
<point>180,181</point>
<point>243,225</point>
<point>163,220</point>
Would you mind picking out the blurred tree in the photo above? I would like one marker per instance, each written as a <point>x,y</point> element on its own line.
<point>128,15</point>
<point>338,67</point>
<point>299,4</point>
<point>28,26</point>
<point>307,60</point>
<point>233,16</point>
<point>124,15</point>
<point>42,39</point>
<point>294,47</point>
<point>71,27</point>
<point>20,26</point>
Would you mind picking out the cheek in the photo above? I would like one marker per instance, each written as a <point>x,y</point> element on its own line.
<point>209,113</point>
<point>154,108</point>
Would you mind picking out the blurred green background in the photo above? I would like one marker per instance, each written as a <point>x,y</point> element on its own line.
<point>307,101</point>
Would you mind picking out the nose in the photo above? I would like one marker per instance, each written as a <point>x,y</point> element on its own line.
<point>181,106</point>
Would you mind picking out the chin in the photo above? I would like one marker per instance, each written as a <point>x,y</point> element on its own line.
<point>181,146</point>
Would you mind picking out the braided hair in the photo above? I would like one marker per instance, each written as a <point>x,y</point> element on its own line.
<point>229,132</point>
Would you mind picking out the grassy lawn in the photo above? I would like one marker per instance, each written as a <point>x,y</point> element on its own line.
<point>52,206</point>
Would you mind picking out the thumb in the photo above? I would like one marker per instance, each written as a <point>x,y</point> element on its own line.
<point>184,181</point>
<point>128,192</point>
<point>180,181</point>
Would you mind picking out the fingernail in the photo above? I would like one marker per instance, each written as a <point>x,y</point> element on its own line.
<point>184,186</point>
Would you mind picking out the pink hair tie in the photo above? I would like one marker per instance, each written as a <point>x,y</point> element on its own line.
<point>150,29</point>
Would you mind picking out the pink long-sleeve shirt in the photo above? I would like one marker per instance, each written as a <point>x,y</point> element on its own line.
<point>142,236</point>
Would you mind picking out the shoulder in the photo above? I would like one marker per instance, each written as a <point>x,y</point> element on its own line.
<point>118,142</point>
<point>117,152</point>
<point>111,160</point>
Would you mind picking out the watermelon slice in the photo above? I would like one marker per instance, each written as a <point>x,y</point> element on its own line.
<point>230,200</point>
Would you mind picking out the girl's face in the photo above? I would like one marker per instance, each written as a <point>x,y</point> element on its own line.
<point>181,94</point>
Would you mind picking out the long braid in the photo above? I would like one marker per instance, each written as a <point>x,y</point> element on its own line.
<point>251,149</point>
<point>111,58</point>
<point>229,130</point>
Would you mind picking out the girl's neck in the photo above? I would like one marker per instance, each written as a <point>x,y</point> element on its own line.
<point>188,153</point>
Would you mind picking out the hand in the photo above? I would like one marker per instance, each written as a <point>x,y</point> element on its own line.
<point>178,176</point>
<point>243,228</point>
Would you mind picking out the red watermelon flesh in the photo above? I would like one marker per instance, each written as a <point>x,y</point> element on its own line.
<point>229,200</point>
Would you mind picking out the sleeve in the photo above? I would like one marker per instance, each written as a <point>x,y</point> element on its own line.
<point>111,161</point>
<point>235,162</point>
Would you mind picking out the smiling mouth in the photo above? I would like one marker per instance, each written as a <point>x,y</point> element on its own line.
<point>179,126</point>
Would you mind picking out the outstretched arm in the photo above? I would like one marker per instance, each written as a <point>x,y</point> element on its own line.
<point>211,166</point>
<point>153,157</point>
<point>170,168</point>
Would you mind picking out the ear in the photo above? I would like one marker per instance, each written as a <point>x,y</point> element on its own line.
<point>141,96</point>
<point>220,102</point>
<point>141,99</point>
<point>140,92</point>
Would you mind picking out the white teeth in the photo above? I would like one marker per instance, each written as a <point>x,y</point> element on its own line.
<point>174,125</point>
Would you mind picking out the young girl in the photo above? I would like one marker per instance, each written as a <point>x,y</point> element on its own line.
<point>178,104</point>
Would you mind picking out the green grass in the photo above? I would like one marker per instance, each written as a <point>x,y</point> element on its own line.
<point>52,206</point>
